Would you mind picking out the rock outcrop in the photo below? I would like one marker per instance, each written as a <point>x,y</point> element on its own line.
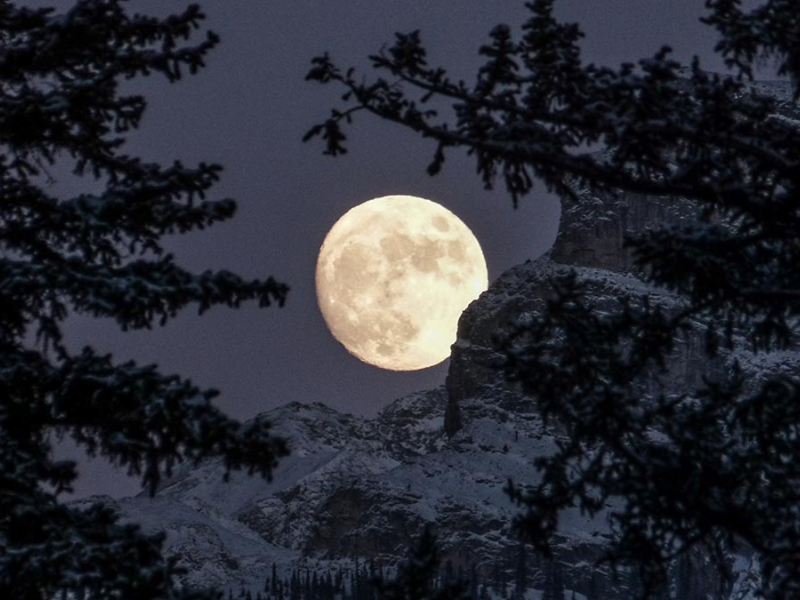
<point>591,243</point>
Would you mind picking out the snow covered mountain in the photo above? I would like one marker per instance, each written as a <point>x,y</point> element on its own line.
<point>357,489</point>
<point>363,489</point>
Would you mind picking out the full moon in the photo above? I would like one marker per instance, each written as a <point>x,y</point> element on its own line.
<point>393,276</point>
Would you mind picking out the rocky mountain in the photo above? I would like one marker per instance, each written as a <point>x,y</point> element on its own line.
<point>358,490</point>
<point>362,489</point>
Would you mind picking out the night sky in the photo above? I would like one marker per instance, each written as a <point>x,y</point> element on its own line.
<point>248,111</point>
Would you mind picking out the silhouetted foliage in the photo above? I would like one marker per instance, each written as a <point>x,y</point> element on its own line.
<point>718,468</point>
<point>369,580</point>
<point>416,579</point>
<point>553,582</point>
<point>98,254</point>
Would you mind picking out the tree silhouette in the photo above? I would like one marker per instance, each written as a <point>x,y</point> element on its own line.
<point>717,467</point>
<point>98,254</point>
<point>416,578</point>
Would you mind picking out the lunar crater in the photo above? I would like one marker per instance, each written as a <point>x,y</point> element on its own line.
<point>393,276</point>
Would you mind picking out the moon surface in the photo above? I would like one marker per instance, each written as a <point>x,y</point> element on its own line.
<point>393,276</point>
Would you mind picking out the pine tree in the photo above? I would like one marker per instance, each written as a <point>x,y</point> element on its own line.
<point>339,580</point>
<point>273,584</point>
<point>497,575</point>
<point>448,578</point>
<point>416,577</point>
<point>596,587</point>
<point>723,470</point>
<point>633,585</point>
<point>553,582</point>
<point>521,572</point>
<point>295,591</point>
<point>330,587</point>
<point>473,581</point>
<point>100,254</point>
<point>684,587</point>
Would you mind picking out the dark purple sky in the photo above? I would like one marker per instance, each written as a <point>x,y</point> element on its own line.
<point>248,111</point>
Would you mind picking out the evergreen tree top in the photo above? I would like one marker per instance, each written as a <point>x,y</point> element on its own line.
<point>100,254</point>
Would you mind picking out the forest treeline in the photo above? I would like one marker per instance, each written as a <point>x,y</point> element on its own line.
<point>508,580</point>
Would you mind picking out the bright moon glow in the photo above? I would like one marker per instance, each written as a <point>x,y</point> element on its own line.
<point>393,276</point>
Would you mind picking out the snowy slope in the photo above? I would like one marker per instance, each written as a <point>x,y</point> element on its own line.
<point>356,488</point>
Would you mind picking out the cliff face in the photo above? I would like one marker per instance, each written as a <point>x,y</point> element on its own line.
<point>594,227</point>
<point>591,243</point>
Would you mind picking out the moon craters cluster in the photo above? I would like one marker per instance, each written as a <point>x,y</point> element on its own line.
<point>393,276</point>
